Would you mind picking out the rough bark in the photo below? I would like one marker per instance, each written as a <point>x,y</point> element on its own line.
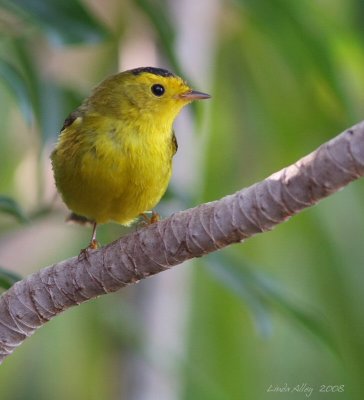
<point>33,301</point>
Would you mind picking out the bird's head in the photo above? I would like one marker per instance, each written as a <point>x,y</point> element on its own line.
<point>147,92</point>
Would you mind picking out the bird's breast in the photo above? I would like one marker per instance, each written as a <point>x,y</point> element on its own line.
<point>108,171</point>
<point>133,170</point>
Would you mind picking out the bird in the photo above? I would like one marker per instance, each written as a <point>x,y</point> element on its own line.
<point>113,158</point>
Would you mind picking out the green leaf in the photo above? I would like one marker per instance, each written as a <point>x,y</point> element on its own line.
<point>161,21</point>
<point>56,103</point>
<point>8,278</point>
<point>65,22</point>
<point>263,295</point>
<point>10,206</point>
<point>51,102</point>
<point>18,86</point>
<point>239,281</point>
<point>311,320</point>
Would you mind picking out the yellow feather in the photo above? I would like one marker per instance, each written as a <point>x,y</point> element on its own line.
<point>113,159</point>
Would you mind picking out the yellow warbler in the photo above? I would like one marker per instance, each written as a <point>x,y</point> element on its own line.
<point>113,158</point>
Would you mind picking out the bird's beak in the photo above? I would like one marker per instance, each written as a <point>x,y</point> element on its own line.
<point>194,95</point>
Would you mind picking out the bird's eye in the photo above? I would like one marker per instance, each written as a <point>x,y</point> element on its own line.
<point>158,90</point>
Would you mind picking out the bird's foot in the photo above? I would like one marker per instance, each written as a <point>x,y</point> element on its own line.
<point>94,245</point>
<point>149,220</point>
<point>84,253</point>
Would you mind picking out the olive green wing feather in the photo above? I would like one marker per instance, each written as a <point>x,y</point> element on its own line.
<point>174,143</point>
<point>79,219</point>
<point>71,119</point>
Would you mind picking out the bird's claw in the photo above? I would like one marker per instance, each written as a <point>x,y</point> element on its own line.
<point>84,253</point>
<point>146,220</point>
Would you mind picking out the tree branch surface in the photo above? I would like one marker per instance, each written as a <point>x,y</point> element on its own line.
<point>192,233</point>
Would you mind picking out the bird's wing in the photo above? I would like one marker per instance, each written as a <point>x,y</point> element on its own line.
<point>71,118</point>
<point>79,219</point>
<point>174,143</point>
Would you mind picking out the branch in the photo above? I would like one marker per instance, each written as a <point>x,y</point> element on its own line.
<point>33,301</point>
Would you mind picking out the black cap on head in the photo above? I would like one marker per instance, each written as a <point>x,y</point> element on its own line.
<point>151,70</point>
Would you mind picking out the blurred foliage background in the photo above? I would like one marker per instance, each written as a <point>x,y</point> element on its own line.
<point>282,310</point>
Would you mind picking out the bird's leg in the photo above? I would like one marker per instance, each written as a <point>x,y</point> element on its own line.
<point>155,217</point>
<point>94,244</point>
